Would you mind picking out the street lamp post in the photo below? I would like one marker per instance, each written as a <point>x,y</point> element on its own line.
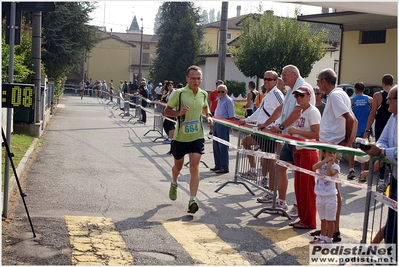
<point>141,51</point>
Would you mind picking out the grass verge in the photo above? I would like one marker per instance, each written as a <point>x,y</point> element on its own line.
<point>20,143</point>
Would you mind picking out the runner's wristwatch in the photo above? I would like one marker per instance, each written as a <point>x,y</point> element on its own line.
<point>281,127</point>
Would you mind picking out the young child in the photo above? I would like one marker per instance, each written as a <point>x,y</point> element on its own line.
<point>326,196</point>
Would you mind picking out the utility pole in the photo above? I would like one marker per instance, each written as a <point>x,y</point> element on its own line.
<point>13,11</point>
<point>37,57</point>
<point>223,44</point>
<point>141,52</point>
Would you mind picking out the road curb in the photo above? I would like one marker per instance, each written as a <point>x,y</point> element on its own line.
<point>21,167</point>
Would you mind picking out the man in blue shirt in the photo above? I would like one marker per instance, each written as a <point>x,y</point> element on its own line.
<point>361,107</point>
<point>387,147</point>
<point>225,110</point>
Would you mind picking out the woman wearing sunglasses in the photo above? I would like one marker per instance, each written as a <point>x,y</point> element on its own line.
<point>307,126</point>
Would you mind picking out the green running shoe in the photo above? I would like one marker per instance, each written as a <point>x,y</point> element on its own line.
<point>192,206</point>
<point>351,175</point>
<point>173,192</point>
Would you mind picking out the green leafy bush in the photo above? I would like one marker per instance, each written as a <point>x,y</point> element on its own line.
<point>236,88</point>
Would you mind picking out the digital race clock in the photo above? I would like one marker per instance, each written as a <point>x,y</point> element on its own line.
<point>17,95</point>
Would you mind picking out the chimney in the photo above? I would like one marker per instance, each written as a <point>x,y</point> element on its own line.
<point>325,10</point>
<point>238,11</point>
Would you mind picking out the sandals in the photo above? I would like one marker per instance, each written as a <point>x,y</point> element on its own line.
<point>315,233</point>
<point>293,223</point>
<point>336,235</point>
<point>300,225</point>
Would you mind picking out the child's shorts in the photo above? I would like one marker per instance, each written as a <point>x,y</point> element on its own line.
<point>327,207</point>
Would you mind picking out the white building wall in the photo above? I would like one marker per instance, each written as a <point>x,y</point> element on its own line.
<point>326,62</point>
<point>209,72</point>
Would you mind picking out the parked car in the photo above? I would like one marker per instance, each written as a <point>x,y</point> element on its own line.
<point>370,89</point>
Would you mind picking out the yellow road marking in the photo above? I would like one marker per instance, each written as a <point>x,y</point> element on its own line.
<point>203,244</point>
<point>95,241</point>
<point>354,234</point>
<point>288,240</point>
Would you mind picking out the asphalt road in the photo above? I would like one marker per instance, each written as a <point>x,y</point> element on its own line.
<point>97,193</point>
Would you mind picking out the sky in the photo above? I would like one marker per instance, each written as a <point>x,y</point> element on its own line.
<point>118,15</point>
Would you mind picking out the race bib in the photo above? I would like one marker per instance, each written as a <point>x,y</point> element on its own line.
<point>190,127</point>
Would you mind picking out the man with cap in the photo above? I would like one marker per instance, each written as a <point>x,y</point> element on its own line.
<point>158,91</point>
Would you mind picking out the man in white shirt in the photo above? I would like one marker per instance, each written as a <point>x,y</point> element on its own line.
<point>338,123</point>
<point>158,91</point>
<point>272,99</point>
<point>289,112</point>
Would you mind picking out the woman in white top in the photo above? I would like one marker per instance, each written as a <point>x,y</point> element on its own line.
<point>307,126</point>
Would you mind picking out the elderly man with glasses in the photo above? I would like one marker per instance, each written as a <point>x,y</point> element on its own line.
<point>272,99</point>
<point>225,110</point>
<point>289,111</point>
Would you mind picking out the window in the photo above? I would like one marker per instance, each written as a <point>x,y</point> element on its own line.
<point>146,46</point>
<point>373,37</point>
<point>336,66</point>
<point>228,36</point>
<point>146,58</point>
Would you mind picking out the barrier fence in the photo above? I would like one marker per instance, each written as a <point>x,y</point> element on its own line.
<point>242,165</point>
<point>372,196</point>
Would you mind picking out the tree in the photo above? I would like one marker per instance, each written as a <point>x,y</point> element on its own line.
<point>218,16</point>
<point>204,17</point>
<point>67,37</point>
<point>157,22</point>
<point>180,35</point>
<point>23,68</point>
<point>212,15</point>
<point>270,43</point>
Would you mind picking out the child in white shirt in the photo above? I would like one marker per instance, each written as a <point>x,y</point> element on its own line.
<point>326,200</point>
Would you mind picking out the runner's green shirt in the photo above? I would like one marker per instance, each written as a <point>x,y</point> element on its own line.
<point>189,126</point>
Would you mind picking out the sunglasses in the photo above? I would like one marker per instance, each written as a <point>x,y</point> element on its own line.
<point>296,95</point>
<point>221,92</point>
<point>268,79</point>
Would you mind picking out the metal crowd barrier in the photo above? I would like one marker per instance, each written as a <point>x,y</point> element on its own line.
<point>128,107</point>
<point>242,165</point>
<point>376,206</point>
<point>158,119</point>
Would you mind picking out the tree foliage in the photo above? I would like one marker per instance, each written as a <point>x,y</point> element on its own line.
<point>67,37</point>
<point>157,22</point>
<point>270,43</point>
<point>204,17</point>
<point>212,17</point>
<point>236,88</point>
<point>23,68</point>
<point>180,36</point>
